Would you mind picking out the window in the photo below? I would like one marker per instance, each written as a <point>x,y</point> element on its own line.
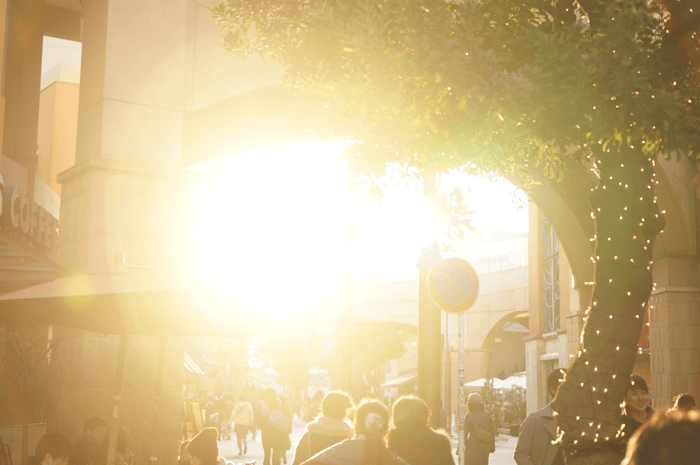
<point>550,276</point>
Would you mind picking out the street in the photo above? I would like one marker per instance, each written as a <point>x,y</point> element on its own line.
<point>228,449</point>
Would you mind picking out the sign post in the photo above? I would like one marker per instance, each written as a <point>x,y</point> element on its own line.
<point>453,286</point>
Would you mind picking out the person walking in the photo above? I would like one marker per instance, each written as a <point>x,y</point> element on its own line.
<point>314,405</point>
<point>479,432</point>
<point>412,439</point>
<point>331,427</point>
<point>210,416</point>
<point>368,446</point>
<point>243,418</point>
<point>226,417</point>
<point>274,429</point>
<point>539,429</point>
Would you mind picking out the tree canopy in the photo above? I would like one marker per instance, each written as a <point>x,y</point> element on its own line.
<point>505,85</point>
<point>512,86</point>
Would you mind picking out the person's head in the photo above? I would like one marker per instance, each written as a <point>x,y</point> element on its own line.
<point>685,403</point>
<point>95,427</point>
<point>318,396</point>
<point>203,396</point>
<point>243,398</point>
<point>666,438</point>
<point>637,395</point>
<point>53,449</point>
<point>336,404</point>
<point>554,380</point>
<point>410,411</point>
<point>474,402</point>
<point>372,421</point>
<point>122,447</point>
<point>371,418</point>
<point>204,448</point>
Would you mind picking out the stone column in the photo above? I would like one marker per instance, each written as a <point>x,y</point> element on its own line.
<point>126,195</point>
<point>22,82</point>
<point>674,317</point>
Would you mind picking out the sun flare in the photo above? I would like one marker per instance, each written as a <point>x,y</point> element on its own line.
<point>270,227</point>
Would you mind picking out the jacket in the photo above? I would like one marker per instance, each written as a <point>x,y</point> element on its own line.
<point>321,434</point>
<point>420,445</point>
<point>535,439</point>
<point>350,452</point>
<point>476,451</point>
<point>242,413</point>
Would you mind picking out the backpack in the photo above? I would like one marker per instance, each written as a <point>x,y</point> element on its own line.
<point>278,420</point>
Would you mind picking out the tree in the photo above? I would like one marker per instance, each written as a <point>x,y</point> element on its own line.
<point>512,86</point>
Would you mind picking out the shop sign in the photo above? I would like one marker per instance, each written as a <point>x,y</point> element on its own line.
<point>27,218</point>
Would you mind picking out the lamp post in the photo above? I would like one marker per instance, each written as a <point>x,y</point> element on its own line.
<point>350,235</point>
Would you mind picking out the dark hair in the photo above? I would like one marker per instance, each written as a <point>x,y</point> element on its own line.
<point>372,420</point>
<point>93,423</point>
<point>554,380</point>
<point>637,382</point>
<point>243,397</point>
<point>666,438</point>
<point>685,402</point>
<point>101,451</point>
<point>54,444</point>
<point>269,395</point>
<point>336,404</point>
<point>475,407</point>
<point>203,393</point>
<point>410,411</point>
<point>318,395</point>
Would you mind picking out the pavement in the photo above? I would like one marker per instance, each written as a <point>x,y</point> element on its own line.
<point>505,444</point>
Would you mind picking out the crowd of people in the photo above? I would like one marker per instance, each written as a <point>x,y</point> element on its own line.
<point>397,436</point>
<point>377,436</point>
<point>647,437</point>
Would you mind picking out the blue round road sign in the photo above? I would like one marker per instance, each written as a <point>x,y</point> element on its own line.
<point>453,284</point>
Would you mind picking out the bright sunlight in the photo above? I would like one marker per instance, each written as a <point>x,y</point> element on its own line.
<point>270,225</point>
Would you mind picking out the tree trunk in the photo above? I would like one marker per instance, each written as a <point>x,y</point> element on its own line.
<point>627,221</point>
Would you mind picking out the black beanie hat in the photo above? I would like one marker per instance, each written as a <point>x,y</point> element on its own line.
<point>205,446</point>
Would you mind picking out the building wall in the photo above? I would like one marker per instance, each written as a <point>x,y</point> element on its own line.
<point>555,349</point>
<point>58,125</point>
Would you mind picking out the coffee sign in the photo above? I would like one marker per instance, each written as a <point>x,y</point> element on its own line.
<point>27,218</point>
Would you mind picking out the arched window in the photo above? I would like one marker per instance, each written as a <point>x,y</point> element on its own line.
<point>550,276</point>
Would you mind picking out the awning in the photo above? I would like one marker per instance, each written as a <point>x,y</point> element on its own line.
<point>191,366</point>
<point>401,380</point>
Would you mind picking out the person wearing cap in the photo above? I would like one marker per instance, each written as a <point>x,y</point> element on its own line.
<point>539,429</point>
<point>329,428</point>
<point>479,432</point>
<point>636,408</point>
<point>204,448</point>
